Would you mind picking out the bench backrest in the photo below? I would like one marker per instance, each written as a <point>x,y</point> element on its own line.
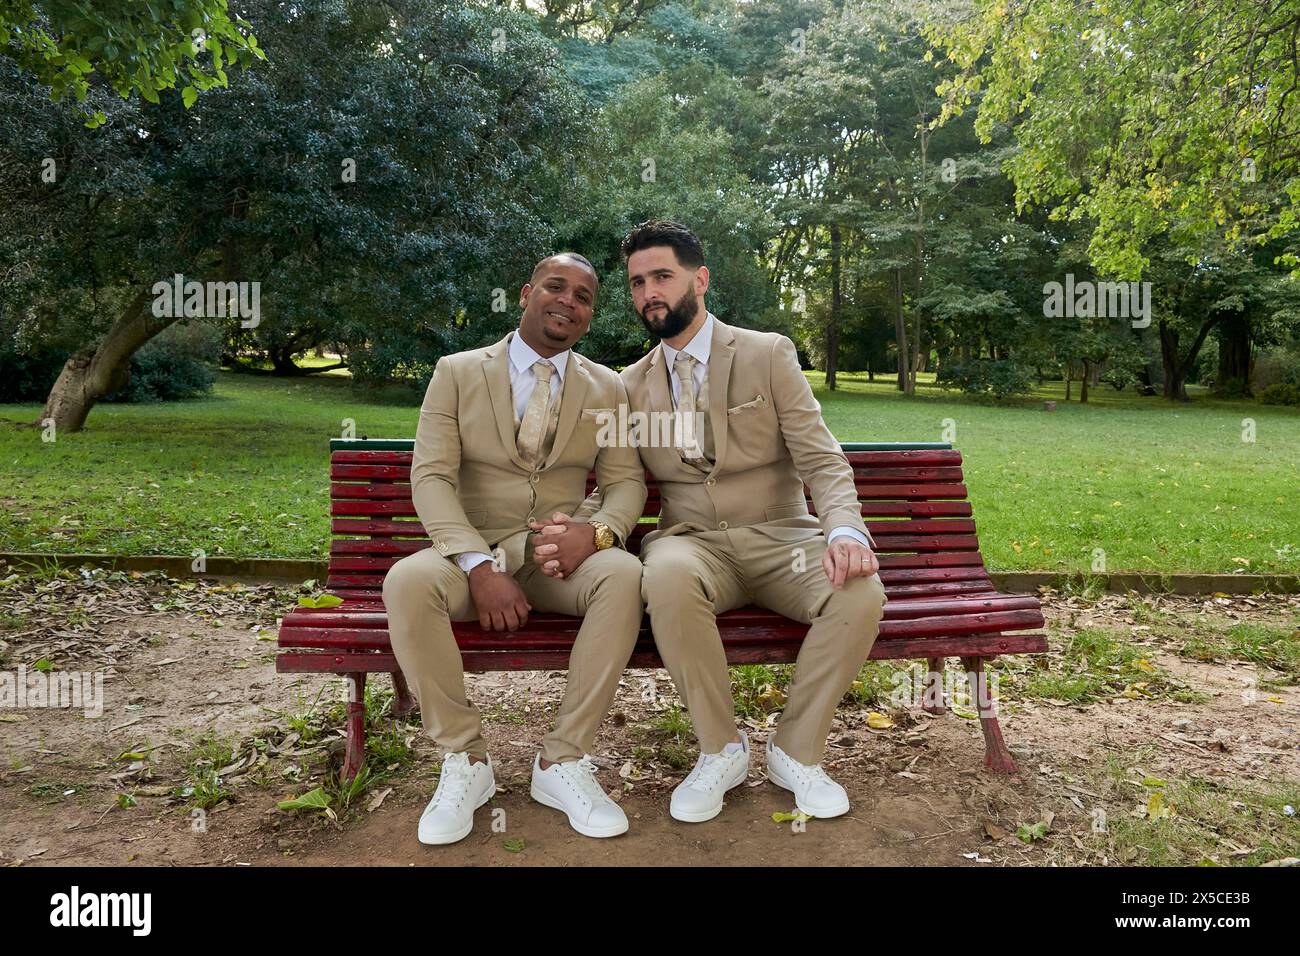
<point>913,499</point>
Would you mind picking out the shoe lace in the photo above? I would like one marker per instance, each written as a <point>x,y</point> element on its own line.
<point>454,780</point>
<point>710,770</point>
<point>812,773</point>
<point>582,775</point>
<point>816,774</point>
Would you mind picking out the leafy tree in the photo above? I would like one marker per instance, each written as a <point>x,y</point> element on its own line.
<point>453,144</point>
<point>145,46</point>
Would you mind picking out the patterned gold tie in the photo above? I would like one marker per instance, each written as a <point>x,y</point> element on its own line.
<point>532,427</point>
<point>688,404</point>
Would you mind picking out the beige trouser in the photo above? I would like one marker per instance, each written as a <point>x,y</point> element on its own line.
<point>424,592</point>
<point>691,577</point>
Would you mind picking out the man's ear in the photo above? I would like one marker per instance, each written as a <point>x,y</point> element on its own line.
<point>524,293</point>
<point>702,280</point>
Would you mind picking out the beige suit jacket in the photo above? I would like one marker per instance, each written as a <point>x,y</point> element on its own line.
<point>769,439</point>
<point>471,489</point>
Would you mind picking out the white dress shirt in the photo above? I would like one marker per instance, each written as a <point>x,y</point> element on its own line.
<point>522,380</point>
<point>699,348</point>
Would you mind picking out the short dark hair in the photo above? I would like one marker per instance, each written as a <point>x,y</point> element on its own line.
<point>685,244</point>
<point>576,257</point>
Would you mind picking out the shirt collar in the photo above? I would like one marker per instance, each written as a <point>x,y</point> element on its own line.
<point>698,348</point>
<point>522,356</point>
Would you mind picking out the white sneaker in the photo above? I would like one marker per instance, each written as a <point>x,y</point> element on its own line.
<point>463,787</point>
<point>573,789</point>
<point>699,796</point>
<point>815,794</point>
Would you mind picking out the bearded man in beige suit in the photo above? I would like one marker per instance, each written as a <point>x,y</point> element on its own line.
<point>508,435</point>
<point>735,529</point>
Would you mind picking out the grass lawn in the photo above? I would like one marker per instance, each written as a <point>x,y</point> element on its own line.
<point>1154,485</point>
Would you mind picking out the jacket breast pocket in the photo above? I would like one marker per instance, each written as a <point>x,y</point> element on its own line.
<point>777,512</point>
<point>477,518</point>
<point>751,406</point>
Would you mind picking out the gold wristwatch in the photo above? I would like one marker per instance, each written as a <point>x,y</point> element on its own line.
<point>604,535</point>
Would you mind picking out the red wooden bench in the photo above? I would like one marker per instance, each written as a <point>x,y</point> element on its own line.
<point>941,600</point>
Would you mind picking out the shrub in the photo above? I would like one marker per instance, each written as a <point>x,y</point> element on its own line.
<point>997,378</point>
<point>177,363</point>
<point>1281,393</point>
<point>27,376</point>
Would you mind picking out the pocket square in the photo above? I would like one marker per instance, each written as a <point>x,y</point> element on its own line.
<point>746,406</point>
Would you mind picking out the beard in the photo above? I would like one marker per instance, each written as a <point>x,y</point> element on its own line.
<point>557,337</point>
<point>676,318</point>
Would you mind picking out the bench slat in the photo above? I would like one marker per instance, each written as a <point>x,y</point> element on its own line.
<point>890,577</point>
<point>363,475</point>
<point>939,559</point>
<point>383,528</point>
<point>891,488</point>
<point>885,543</point>
<point>982,645</point>
<point>350,508</point>
<point>302,622</point>
<point>928,456</point>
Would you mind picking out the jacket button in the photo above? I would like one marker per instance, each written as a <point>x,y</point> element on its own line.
<point>722,525</point>
<point>534,478</point>
<point>710,482</point>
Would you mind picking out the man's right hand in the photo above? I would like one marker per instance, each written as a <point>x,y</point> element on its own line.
<point>499,598</point>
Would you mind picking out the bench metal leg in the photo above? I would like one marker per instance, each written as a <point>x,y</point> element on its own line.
<point>996,755</point>
<point>355,755</point>
<point>404,702</point>
<point>932,699</point>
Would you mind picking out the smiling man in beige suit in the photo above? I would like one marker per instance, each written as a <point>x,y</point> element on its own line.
<point>508,435</point>
<point>735,529</point>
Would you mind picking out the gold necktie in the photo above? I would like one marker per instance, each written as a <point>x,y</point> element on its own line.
<point>532,428</point>
<point>689,404</point>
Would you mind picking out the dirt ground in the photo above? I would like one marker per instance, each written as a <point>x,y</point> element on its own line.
<point>191,661</point>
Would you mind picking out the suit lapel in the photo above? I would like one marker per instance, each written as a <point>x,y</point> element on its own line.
<point>496,370</point>
<point>721,353</point>
<point>573,398</point>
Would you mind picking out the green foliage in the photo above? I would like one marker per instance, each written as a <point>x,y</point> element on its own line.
<point>26,375</point>
<point>1280,393</point>
<point>144,47</point>
<point>997,378</point>
<point>1115,127</point>
<point>394,267</point>
<point>179,363</point>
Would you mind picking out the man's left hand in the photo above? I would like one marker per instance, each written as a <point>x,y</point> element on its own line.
<point>846,558</point>
<point>562,544</point>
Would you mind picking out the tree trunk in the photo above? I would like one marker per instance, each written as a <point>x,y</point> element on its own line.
<point>833,325</point>
<point>1234,355</point>
<point>282,362</point>
<point>900,330</point>
<point>89,375</point>
<point>920,260</point>
<point>1069,376</point>
<point>1083,382</point>
<point>1175,386</point>
<point>1176,367</point>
